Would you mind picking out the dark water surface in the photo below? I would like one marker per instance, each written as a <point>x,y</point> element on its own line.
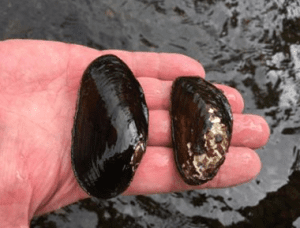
<point>250,45</point>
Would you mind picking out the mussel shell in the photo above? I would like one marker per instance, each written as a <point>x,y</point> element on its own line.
<point>110,129</point>
<point>201,128</point>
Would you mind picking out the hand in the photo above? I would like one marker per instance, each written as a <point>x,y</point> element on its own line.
<point>39,81</point>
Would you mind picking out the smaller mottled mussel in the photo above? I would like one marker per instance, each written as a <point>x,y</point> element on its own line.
<point>201,128</point>
<point>110,129</point>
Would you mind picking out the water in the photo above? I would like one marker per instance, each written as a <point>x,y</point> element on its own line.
<point>250,45</point>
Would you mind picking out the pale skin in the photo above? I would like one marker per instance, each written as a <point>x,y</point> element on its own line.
<point>39,81</point>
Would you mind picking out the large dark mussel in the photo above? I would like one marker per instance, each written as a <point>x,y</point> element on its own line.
<point>110,129</point>
<point>201,128</point>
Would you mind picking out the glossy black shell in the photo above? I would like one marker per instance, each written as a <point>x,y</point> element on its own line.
<point>110,128</point>
<point>201,128</point>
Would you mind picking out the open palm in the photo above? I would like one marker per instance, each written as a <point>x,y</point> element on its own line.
<point>39,81</point>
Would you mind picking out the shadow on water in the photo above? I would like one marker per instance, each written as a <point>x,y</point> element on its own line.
<point>250,45</point>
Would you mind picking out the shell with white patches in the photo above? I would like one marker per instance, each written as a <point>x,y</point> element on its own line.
<point>201,128</point>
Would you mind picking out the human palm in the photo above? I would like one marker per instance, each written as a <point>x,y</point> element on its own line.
<point>39,81</point>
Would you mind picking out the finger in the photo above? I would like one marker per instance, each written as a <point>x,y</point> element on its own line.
<point>157,172</point>
<point>157,93</point>
<point>159,128</point>
<point>234,97</point>
<point>248,130</point>
<point>164,66</point>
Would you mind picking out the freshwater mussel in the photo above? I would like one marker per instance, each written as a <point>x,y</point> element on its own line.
<point>110,129</point>
<point>201,128</point>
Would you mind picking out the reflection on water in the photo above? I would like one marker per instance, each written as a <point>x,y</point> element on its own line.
<point>250,45</point>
